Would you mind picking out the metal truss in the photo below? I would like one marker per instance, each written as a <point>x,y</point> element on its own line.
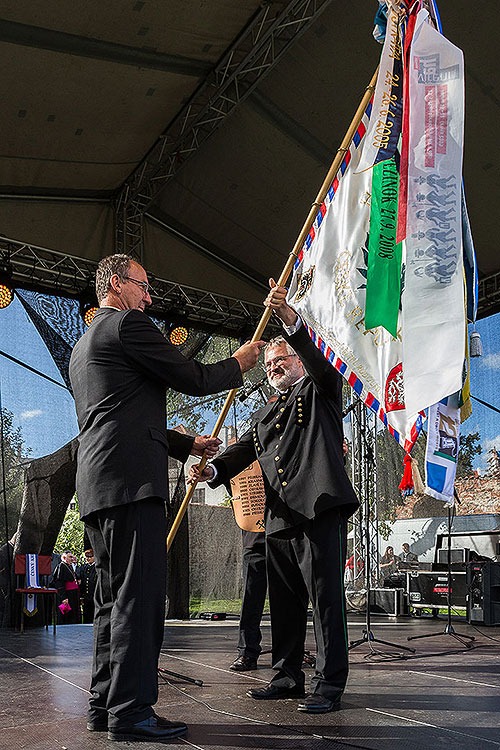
<point>365,485</point>
<point>258,48</point>
<point>54,272</point>
<point>488,295</point>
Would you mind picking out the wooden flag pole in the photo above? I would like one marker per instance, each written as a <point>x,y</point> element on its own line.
<point>344,147</point>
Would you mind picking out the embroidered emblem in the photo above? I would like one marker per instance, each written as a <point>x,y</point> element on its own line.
<point>394,389</point>
<point>341,273</point>
<point>305,283</point>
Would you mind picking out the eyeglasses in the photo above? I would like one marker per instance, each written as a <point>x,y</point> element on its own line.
<point>277,361</point>
<point>144,285</point>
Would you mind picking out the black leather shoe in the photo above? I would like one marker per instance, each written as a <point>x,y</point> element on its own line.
<point>314,703</point>
<point>97,721</point>
<point>244,664</point>
<point>100,725</point>
<point>271,691</point>
<point>154,728</point>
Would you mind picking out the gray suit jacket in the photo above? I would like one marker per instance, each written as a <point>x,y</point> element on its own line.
<point>119,372</point>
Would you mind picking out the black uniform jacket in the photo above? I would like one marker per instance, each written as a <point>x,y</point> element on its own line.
<point>298,442</point>
<point>119,372</point>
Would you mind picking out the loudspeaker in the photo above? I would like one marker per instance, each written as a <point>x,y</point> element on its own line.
<point>483,598</point>
<point>431,588</point>
<point>457,555</point>
<point>390,602</point>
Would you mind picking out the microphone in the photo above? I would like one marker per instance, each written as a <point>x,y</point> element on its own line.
<point>350,408</point>
<point>255,387</point>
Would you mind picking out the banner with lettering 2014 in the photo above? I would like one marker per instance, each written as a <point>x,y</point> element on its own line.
<point>433,313</point>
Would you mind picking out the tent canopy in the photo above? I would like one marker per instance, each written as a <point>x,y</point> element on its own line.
<point>87,93</point>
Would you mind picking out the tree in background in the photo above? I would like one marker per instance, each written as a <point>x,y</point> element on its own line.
<point>70,537</point>
<point>200,414</point>
<point>470,446</point>
<point>15,454</point>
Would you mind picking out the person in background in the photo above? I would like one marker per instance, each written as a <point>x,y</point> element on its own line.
<point>87,580</point>
<point>389,562</point>
<point>66,583</point>
<point>407,560</point>
<point>252,604</point>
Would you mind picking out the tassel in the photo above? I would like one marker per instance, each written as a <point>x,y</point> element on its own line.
<point>476,346</point>
<point>406,484</point>
<point>417,479</point>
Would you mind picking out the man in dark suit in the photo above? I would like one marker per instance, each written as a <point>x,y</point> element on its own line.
<point>252,604</point>
<point>298,441</point>
<point>119,371</point>
<point>87,579</point>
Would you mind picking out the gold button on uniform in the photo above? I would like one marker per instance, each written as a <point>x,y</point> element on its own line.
<point>284,484</point>
<point>282,408</point>
<point>299,421</point>
<point>276,458</point>
<point>278,426</point>
<point>280,471</point>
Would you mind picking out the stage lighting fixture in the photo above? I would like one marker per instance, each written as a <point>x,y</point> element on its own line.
<point>178,335</point>
<point>6,290</point>
<point>88,315</point>
<point>88,307</point>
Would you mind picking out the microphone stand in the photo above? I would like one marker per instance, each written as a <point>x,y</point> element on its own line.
<point>462,638</point>
<point>363,442</point>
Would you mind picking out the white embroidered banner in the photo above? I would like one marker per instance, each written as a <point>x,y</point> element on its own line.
<point>328,289</point>
<point>433,313</point>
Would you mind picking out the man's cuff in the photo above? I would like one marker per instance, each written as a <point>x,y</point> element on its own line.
<point>290,330</point>
<point>214,469</point>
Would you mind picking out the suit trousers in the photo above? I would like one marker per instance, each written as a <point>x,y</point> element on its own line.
<point>306,563</point>
<point>254,597</point>
<point>129,543</point>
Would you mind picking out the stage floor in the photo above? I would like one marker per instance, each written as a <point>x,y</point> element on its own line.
<point>444,696</point>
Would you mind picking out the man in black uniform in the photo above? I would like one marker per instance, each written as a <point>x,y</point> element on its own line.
<point>298,441</point>
<point>119,371</point>
<point>254,597</point>
<point>87,577</point>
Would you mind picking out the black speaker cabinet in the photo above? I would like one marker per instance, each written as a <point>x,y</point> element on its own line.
<point>430,589</point>
<point>483,598</point>
<point>390,602</point>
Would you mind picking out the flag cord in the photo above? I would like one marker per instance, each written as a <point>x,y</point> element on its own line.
<point>334,168</point>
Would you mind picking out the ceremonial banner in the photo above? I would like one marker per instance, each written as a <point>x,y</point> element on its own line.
<point>383,284</point>
<point>328,289</point>
<point>443,441</point>
<point>387,106</point>
<point>30,607</point>
<point>433,314</point>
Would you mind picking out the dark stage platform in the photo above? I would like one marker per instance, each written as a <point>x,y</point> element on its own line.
<point>443,697</point>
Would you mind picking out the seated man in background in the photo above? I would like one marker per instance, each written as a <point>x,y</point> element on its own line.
<point>407,560</point>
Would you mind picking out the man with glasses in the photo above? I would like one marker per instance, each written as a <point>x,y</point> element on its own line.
<point>298,442</point>
<point>120,370</point>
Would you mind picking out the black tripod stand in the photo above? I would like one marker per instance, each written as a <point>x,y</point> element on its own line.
<point>366,452</point>
<point>464,640</point>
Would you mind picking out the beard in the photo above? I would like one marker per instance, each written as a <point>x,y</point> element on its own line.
<point>284,381</point>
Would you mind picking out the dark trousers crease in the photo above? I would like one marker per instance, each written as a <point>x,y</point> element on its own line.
<point>254,597</point>
<point>130,558</point>
<point>307,564</point>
